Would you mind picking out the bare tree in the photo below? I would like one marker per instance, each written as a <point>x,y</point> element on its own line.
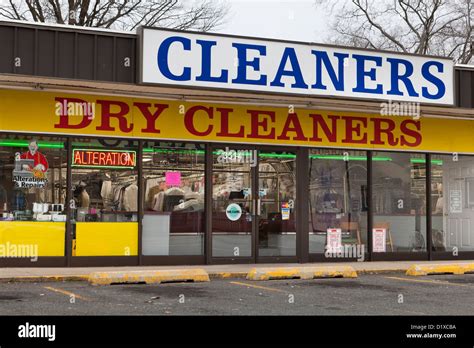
<point>202,15</point>
<point>437,27</point>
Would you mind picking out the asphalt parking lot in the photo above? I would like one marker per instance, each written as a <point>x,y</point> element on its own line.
<point>381,294</point>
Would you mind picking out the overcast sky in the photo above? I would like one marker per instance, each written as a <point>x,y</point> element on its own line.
<point>298,20</point>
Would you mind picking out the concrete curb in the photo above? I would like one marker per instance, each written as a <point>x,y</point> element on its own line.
<point>39,279</point>
<point>382,271</point>
<point>444,268</point>
<point>301,273</point>
<point>275,273</point>
<point>228,275</point>
<point>149,277</point>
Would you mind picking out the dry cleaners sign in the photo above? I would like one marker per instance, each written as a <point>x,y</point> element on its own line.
<point>212,61</point>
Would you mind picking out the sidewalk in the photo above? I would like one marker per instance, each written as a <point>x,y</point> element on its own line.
<point>214,271</point>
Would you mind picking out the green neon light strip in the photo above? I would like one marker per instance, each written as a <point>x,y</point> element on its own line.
<point>422,160</point>
<point>272,155</point>
<point>59,145</point>
<point>25,143</point>
<point>182,152</point>
<point>350,158</point>
<point>275,155</point>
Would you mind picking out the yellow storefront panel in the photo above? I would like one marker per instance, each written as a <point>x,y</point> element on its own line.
<point>63,113</point>
<point>47,237</point>
<point>106,239</point>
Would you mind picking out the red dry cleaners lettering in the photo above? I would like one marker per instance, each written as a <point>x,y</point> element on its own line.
<point>216,122</point>
<point>92,158</point>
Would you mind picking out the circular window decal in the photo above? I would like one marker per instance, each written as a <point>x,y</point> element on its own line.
<point>233,212</point>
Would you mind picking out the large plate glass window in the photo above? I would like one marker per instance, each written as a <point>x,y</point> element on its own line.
<point>338,203</point>
<point>174,215</point>
<point>452,199</point>
<point>399,202</point>
<point>32,196</point>
<point>105,197</point>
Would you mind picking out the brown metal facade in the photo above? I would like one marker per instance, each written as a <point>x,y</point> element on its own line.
<point>67,53</point>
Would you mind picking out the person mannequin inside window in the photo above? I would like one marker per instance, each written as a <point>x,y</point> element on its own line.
<point>82,196</point>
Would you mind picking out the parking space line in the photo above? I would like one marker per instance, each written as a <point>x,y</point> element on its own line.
<point>438,282</point>
<point>68,293</point>
<point>258,287</point>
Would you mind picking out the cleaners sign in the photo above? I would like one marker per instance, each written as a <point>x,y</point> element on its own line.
<point>204,60</point>
<point>131,118</point>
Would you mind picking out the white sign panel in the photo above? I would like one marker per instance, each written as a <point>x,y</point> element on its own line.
<point>379,240</point>
<point>225,62</point>
<point>455,201</point>
<point>334,240</point>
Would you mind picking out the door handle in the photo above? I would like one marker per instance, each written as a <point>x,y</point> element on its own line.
<point>258,206</point>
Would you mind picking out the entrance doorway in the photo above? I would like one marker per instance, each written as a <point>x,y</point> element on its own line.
<point>253,205</point>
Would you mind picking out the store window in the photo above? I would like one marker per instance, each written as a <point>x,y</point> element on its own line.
<point>399,202</point>
<point>174,215</point>
<point>452,199</point>
<point>338,204</point>
<point>32,195</point>
<point>105,194</point>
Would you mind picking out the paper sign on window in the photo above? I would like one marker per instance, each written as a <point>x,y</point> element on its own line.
<point>30,168</point>
<point>455,201</point>
<point>334,240</point>
<point>379,240</point>
<point>285,211</point>
<point>173,178</point>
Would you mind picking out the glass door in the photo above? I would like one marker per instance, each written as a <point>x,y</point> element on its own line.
<point>233,206</point>
<point>253,205</point>
<point>276,204</point>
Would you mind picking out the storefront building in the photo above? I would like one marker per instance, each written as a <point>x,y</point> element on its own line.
<point>170,147</point>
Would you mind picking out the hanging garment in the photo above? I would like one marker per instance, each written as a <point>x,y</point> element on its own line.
<point>174,191</point>
<point>152,192</point>
<point>188,206</point>
<point>151,184</point>
<point>3,196</point>
<point>18,200</point>
<point>439,206</point>
<point>106,193</point>
<point>130,198</point>
<point>192,195</point>
<point>157,204</point>
<point>84,199</point>
<point>117,200</point>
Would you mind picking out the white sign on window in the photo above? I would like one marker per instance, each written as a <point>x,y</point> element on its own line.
<point>455,201</point>
<point>379,240</point>
<point>334,240</point>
